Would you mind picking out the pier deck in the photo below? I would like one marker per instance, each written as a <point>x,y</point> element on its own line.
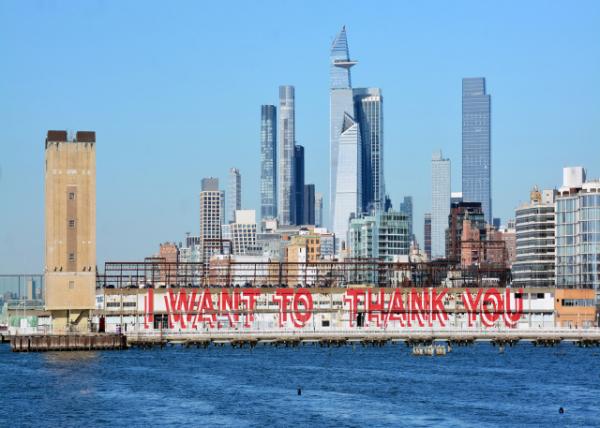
<point>293,338</point>
<point>588,337</point>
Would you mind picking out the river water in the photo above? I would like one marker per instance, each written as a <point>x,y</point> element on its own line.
<point>220,386</point>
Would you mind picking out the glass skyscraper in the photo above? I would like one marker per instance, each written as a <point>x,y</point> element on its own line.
<point>356,144</point>
<point>345,151</point>
<point>299,185</point>
<point>308,216</point>
<point>234,194</point>
<point>268,162</point>
<point>476,145</point>
<point>369,113</point>
<point>285,152</point>
<point>440,204</point>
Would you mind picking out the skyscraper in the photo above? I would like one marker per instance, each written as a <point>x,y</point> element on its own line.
<point>440,204</point>
<point>286,143</point>
<point>234,194</point>
<point>268,162</point>
<point>345,150</point>
<point>406,207</point>
<point>427,234</point>
<point>348,180</point>
<point>369,113</point>
<point>299,185</point>
<point>476,145</point>
<point>319,209</point>
<point>211,218</point>
<point>308,216</point>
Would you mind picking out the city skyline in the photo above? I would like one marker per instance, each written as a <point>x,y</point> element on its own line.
<point>21,166</point>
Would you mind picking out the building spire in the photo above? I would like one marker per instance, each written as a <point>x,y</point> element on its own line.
<point>341,62</point>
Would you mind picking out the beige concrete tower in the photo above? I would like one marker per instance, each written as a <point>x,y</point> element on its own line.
<point>70,269</point>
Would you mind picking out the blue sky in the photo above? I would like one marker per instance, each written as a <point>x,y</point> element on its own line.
<point>173,90</point>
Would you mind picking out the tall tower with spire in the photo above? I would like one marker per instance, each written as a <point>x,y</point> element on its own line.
<point>356,121</point>
<point>345,178</point>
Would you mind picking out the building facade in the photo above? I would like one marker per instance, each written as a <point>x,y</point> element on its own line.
<point>406,207</point>
<point>578,233</point>
<point>535,225</point>
<point>212,201</point>
<point>459,213</point>
<point>482,246</point>
<point>369,113</point>
<point>234,194</point>
<point>268,162</point>
<point>318,209</point>
<point>476,145</point>
<point>299,185</point>
<point>382,236</point>
<point>427,235</point>
<point>285,153</point>
<point>242,232</point>
<point>308,216</point>
<point>440,204</point>
<point>70,228</point>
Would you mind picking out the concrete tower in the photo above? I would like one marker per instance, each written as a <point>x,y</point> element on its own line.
<point>70,224</point>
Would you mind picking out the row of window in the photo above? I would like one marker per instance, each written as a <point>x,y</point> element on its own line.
<point>577,302</point>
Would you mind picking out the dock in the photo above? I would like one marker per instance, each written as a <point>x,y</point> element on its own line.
<point>67,342</point>
<point>415,338</point>
<point>370,338</point>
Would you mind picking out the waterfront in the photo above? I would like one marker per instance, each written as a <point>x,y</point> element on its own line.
<point>221,386</point>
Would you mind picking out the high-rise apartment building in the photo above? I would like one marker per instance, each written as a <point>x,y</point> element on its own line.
<point>578,232</point>
<point>369,113</point>
<point>234,194</point>
<point>212,202</point>
<point>318,209</point>
<point>535,225</point>
<point>268,162</point>
<point>427,235</point>
<point>299,185</point>
<point>70,226</point>
<point>440,204</point>
<point>309,204</point>
<point>285,153</point>
<point>476,145</point>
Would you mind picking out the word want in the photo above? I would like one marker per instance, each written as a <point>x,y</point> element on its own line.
<point>366,307</point>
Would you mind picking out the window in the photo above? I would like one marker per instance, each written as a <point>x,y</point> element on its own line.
<point>71,224</point>
<point>71,285</point>
<point>71,195</point>
<point>71,257</point>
